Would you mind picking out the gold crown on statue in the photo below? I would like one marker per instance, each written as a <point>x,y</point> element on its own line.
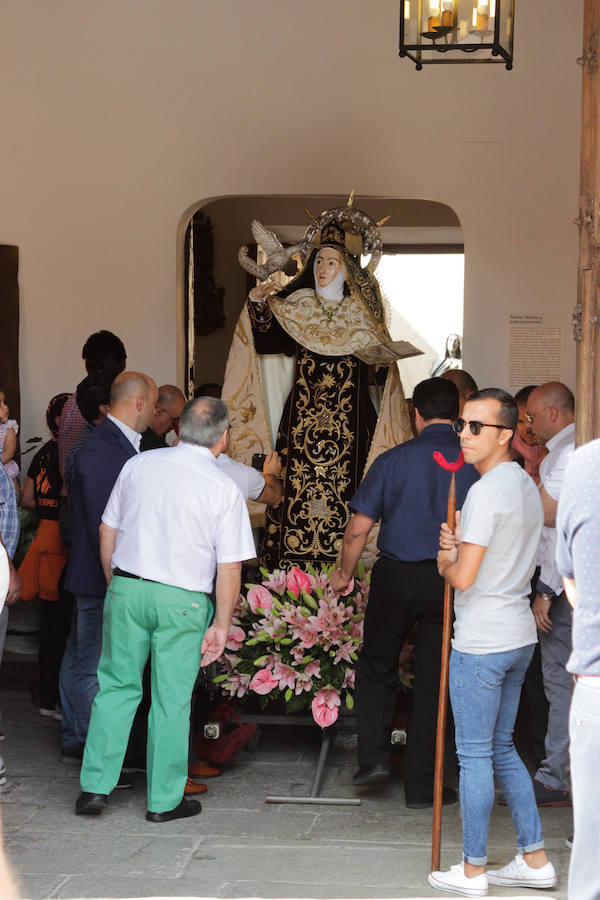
<point>351,229</point>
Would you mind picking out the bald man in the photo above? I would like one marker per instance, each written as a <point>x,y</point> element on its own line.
<point>133,397</point>
<point>551,415</point>
<point>169,405</point>
<point>464,382</point>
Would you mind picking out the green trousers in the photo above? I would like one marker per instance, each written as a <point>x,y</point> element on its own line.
<point>142,617</point>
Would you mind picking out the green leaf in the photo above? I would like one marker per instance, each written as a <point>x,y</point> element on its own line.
<point>264,572</point>
<point>353,657</point>
<point>220,678</point>
<point>286,641</point>
<point>260,660</point>
<point>288,695</point>
<point>349,701</point>
<point>319,592</point>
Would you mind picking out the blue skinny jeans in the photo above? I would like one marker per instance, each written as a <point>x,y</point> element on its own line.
<point>484,692</point>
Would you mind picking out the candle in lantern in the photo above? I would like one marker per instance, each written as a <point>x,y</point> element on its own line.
<point>434,15</point>
<point>448,13</point>
<point>462,29</point>
<point>407,9</point>
<point>483,16</point>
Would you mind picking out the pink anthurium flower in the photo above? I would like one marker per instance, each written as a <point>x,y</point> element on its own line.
<point>259,598</point>
<point>235,638</point>
<point>325,706</point>
<point>297,581</point>
<point>263,682</point>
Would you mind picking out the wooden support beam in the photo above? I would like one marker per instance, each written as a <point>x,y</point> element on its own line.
<point>587,311</point>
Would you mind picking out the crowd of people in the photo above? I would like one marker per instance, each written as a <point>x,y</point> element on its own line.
<point>138,561</point>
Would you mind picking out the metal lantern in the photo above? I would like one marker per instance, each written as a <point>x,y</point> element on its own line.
<point>457,31</point>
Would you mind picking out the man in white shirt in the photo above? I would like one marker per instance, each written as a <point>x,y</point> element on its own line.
<point>551,413</point>
<point>172,519</point>
<point>490,562</point>
<point>265,487</point>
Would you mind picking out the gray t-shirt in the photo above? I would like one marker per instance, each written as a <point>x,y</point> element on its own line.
<point>503,512</point>
<point>578,553</point>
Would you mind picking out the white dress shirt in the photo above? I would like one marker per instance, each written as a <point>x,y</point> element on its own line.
<point>177,515</point>
<point>132,436</point>
<point>552,471</point>
<point>250,482</point>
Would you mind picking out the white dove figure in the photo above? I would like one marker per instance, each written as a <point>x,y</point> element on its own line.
<point>278,256</point>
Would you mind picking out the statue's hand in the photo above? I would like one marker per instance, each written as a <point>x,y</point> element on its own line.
<point>263,290</point>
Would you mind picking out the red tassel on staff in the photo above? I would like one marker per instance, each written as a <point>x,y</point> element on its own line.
<point>440,739</point>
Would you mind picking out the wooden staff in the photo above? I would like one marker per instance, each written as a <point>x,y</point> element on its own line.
<point>440,738</point>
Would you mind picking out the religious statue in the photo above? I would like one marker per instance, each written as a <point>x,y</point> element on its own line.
<point>312,370</point>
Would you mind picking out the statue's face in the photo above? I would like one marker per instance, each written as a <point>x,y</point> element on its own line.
<point>327,266</point>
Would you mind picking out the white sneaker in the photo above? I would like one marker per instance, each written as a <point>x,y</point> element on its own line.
<point>518,874</point>
<point>456,882</point>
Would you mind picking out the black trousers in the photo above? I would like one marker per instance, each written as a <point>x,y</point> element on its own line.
<point>401,594</point>
<point>54,631</point>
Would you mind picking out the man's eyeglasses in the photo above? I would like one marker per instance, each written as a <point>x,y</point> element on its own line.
<point>474,426</point>
<point>531,416</point>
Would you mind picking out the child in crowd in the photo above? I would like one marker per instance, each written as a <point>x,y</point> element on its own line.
<point>8,442</point>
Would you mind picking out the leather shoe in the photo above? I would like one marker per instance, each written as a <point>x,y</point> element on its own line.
<point>192,787</point>
<point>88,804</point>
<point>202,769</point>
<point>186,808</point>
<point>367,775</point>
<point>449,796</point>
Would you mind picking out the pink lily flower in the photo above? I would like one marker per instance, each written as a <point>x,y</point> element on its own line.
<point>285,675</point>
<point>276,581</point>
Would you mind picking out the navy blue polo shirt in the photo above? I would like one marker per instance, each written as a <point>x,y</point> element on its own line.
<point>407,492</point>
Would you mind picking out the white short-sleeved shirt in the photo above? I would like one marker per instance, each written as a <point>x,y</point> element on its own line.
<point>503,512</point>
<point>177,516</point>
<point>250,482</point>
<point>552,472</point>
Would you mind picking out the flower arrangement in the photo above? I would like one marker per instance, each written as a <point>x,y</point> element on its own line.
<point>293,636</point>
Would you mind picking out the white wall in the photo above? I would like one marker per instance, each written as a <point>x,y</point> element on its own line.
<point>118,115</point>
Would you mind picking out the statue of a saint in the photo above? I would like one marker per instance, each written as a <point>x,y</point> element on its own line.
<point>315,360</point>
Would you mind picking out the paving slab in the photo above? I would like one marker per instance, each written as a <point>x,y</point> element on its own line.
<point>239,846</point>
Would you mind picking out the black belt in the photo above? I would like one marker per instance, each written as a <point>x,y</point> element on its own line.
<point>123,574</point>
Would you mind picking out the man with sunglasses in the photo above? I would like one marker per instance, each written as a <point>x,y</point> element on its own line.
<point>166,417</point>
<point>490,565</point>
<point>407,492</point>
<point>551,415</point>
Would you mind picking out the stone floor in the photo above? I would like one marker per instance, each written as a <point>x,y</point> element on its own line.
<point>239,846</point>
